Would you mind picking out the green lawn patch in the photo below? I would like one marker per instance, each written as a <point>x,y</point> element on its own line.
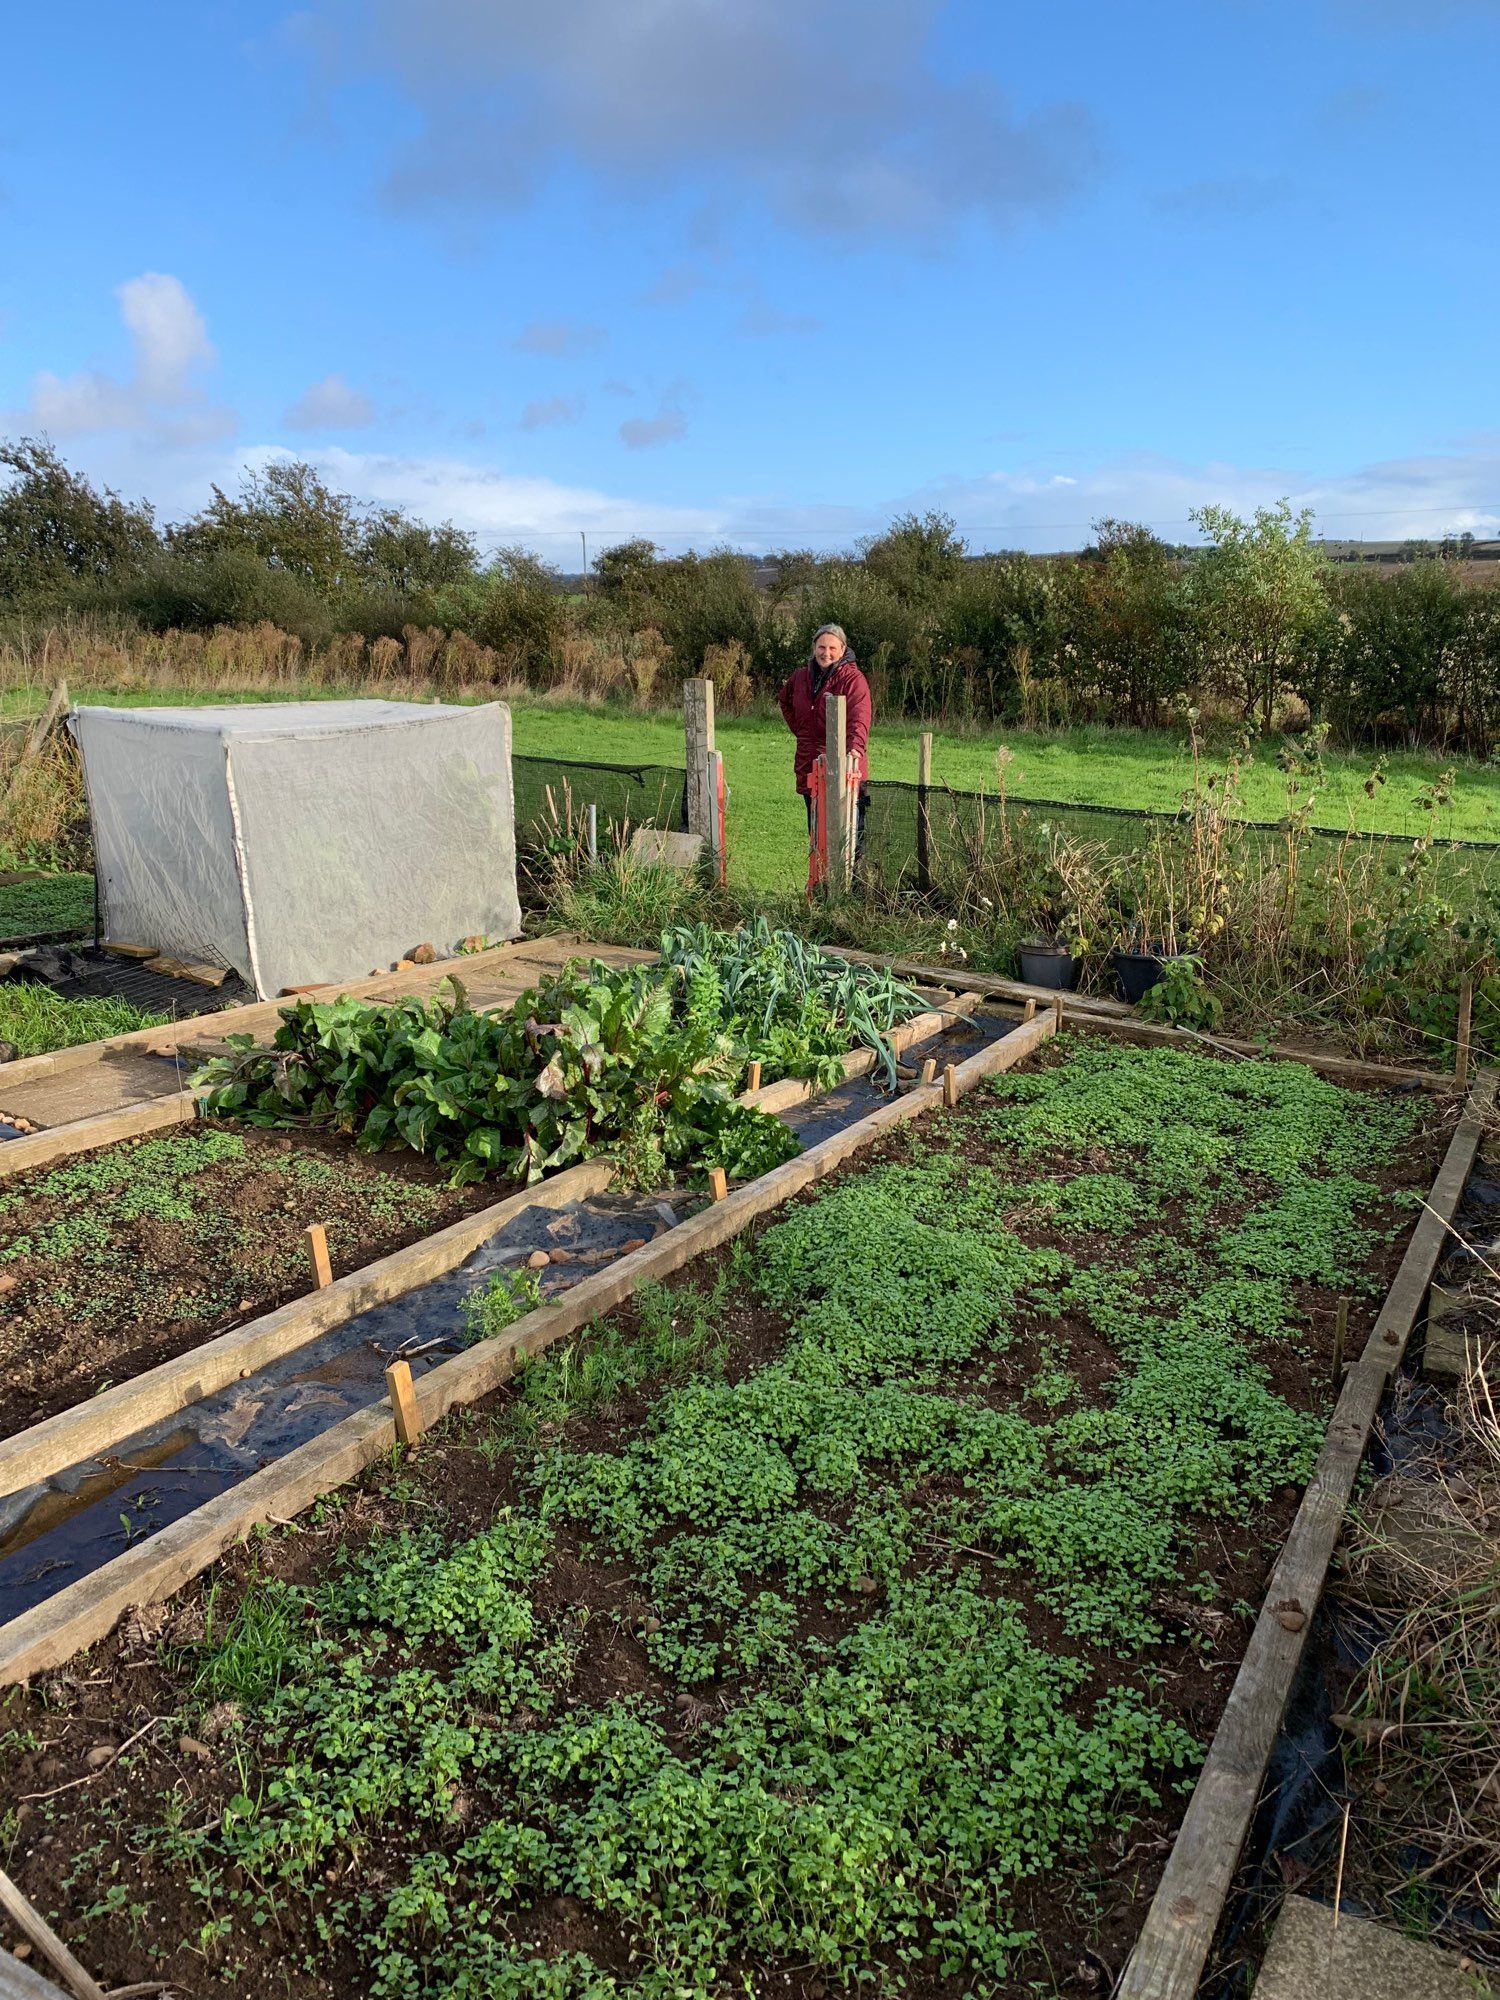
<point>47,906</point>
<point>34,1018</point>
<point>1089,765</point>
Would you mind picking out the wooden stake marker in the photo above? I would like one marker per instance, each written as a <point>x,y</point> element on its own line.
<point>950,1085</point>
<point>718,1183</point>
<point>403,1402</point>
<point>752,1076</point>
<point>317,1250</point>
<point>1340,1338</point>
<point>1465,1032</point>
<point>105,1421</point>
<point>929,1071</point>
<point>85,1610</point>
<point>1028,1012</point>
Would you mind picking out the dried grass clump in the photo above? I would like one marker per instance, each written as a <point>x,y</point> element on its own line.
<point>1424,1830</point>
<point>43,812</point>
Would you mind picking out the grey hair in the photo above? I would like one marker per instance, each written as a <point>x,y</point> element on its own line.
<point>838,632</point>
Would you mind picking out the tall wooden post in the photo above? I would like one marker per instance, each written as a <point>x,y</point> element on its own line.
<point>716,843</point>
<point>1465,1031</point>
<point>924,811</point>
<point>698,729</point>
<point>840,857</point>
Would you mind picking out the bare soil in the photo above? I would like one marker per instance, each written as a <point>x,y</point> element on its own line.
<point>153,1248</point>
<point>72,1825</point>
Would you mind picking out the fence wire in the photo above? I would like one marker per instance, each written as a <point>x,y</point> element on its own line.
<point>931,838</point>
<point>553,796</point>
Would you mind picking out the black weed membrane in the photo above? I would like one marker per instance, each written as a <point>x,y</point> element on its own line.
<point>554,798</point>
<point>933,840</point>
<point>1295,1837</point>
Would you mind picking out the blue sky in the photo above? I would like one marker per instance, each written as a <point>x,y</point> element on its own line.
<point>765,271</point>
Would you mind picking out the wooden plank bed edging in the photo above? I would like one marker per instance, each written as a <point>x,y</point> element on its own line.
<point>108,1419</point>
<point>87,1610</point>
<point>1094,1010</point>
<point>105,1128</point>
<point>258,1014</point>
<point>118,1413</point>
<point>794,1090</point>
<point>1177,1936</point>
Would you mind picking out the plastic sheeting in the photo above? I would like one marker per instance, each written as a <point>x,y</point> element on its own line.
<point>300,842</point>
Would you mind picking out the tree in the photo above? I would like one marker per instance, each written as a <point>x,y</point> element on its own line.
<point>57,530</point>
<point>917,557</point>
<point>1133,623</point>
<point>1259,594</point>
<point>624,571</point>
<point>412,558</point>
<point>291,519</point>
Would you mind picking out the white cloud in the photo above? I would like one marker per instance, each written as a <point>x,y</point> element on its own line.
<point>641,433</point>
<point>163,395</point>
<point>502,508</point>
<point>763,321</point>
<point>721,97</point>
<point>1389,500</point>
<point>333,404</point>
<point>561,339</point>
<point>1039,507</point>
<point>551,410</point>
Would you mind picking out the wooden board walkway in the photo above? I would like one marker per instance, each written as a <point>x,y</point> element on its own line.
<point>69,1086</point>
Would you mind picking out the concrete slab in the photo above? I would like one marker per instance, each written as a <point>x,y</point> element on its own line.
<point>1461,1334</point>
<point>1310,1959</point>
<point>121,1078</point>
<point>1448,1535</point>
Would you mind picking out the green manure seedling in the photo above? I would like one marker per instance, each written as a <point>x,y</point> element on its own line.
<point>845,1659</point>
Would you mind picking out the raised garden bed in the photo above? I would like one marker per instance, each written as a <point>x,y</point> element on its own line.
<point>117,1259</point>
<point>858,1607</point>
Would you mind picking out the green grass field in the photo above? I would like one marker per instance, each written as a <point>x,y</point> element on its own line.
<point>1094,766</point>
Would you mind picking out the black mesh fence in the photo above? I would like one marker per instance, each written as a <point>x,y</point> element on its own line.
<point>933,839</point>
<point>554,794</point>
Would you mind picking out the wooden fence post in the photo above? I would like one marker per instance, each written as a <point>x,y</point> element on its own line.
<point>698,731</point>
<point>835,739</point>
<point>718,859</point>
<point>924,811</point>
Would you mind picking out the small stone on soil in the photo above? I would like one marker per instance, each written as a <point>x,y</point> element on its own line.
<point>223,1715</point>
<point>100,1755</point>
<point>538,1260</point>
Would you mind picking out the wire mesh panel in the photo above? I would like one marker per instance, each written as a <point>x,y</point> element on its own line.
<point>932,838</point>
<point>553,796</point>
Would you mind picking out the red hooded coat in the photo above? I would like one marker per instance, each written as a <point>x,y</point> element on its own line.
<point>804,704</point>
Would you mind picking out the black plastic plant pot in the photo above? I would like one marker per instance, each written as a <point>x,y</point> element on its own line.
<point>1136,972</point>
<point>1044,965</point>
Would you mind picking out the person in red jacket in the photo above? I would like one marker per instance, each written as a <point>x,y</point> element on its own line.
<point>832,669</point>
